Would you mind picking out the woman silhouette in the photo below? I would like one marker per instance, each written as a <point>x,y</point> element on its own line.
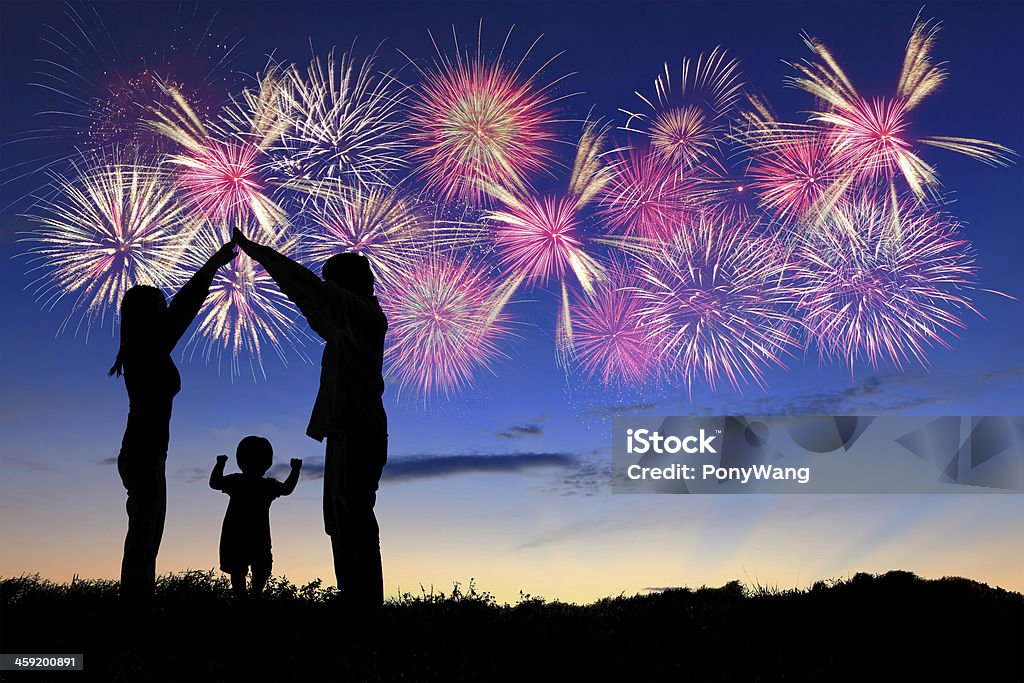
<point>150,328</point>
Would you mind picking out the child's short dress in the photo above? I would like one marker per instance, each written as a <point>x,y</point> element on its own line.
<point>245,536</point>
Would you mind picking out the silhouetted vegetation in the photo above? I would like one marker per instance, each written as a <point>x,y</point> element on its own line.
<point>895,626</point>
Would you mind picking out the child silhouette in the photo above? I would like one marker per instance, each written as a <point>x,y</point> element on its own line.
<point>245,536</point>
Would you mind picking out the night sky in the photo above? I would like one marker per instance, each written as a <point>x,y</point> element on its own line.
<point>532,509</point>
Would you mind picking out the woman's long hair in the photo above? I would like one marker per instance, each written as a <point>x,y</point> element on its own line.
<point>141,308</point>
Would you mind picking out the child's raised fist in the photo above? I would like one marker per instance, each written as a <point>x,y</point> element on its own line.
<point>296,463</point>
<point>222,458</point>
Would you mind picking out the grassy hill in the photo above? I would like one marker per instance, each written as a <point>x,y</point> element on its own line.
<point>895,626</point>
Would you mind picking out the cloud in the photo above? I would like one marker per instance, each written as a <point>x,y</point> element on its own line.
<point>588,475</point>
<point>33,464</point>
<point>997,376</point>
<point>519,431</point>
<point>312,468</point>
<point>429,466</point>
<point>108,461</point>
<point>190,475</point>
<point>406,468</point>
<point>883,393</point>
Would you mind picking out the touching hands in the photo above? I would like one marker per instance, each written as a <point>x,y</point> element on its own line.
<point>224,255</point>
<point>241,240</point>
<point>296,464</point>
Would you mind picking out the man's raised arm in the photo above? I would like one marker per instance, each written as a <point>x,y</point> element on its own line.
<point>298,283</point>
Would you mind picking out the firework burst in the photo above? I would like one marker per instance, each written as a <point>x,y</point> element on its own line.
<point>475,121</point>
<point>539,238</point>
<point>109,226</point>
<point>383,225</point>
<point>684,119</point>
<point>794,174</point>
<point>245,312</point>
<point>882,279</point>
<point>714,304</point>
<point>445,325</point>
<point>609,340</point>
<point>871,135</point>
<point>219,174</point>
<point>341,124</point>
<point>647,196</point>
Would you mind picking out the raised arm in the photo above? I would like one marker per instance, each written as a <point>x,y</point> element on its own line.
<point>293,478</point>
<point>298,283</point>
<point>217,476</point>
<point>186,303</point>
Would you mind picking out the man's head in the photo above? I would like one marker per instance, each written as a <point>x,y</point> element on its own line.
<point>254,455</point>
<point>351,271</point>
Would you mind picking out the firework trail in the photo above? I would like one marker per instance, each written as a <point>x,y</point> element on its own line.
<point>872,136</point>
<point>474,121</point>
<point>109,226</point>
<point>245,312</point>
<point>341,123</point>
<point>714,303</point>
<point>383,225</point>
<point>444,325</point>
<point>218,173</point>
<point>882,278</point>
<point>609,340</point>
<point>647,196</point>
<point>685,119</point>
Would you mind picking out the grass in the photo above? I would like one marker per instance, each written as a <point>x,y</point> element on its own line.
<point>894,626</point>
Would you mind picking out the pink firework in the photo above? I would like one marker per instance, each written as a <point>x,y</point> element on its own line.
<point>872,138</point>
<point>882,279</point>
<point>714,304</point>
<point>539,238</point>
<point>444,326</point>
<point>794,173</point>
<point>476,122</point>
<point>647,196</point>
<point>872,135</point>
<point>218,172</point>
<point>609,340</point>
<point>220,180</point>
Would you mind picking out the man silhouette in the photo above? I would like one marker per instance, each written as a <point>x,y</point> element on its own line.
<point>349,409</point>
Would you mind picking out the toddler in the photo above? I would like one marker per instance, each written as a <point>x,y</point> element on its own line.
<point>245,536</point>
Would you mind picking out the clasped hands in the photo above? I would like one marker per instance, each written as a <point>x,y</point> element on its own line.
<point>226,253</point>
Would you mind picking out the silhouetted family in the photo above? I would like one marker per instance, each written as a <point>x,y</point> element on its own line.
<point>348,413</point>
